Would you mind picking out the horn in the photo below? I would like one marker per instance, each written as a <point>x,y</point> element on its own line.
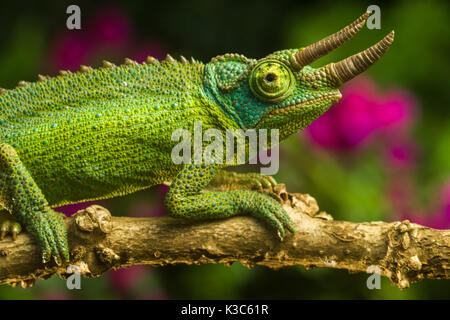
<point>320,48</point>
<point>350,67</point>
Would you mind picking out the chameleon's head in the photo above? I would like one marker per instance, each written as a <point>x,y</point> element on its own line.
<point>280,90</point>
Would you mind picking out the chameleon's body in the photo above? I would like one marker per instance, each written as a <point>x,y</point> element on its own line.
<point>102,133</point>
<point>108,133</point>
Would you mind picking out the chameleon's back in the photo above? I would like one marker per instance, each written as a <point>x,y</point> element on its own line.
<point>102,132</point>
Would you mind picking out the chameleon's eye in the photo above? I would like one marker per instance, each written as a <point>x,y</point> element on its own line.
<point>271,80</point>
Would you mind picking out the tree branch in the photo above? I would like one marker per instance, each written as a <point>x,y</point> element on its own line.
<point>403,251</point>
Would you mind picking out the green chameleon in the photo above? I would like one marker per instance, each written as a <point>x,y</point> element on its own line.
<point>102,133</point>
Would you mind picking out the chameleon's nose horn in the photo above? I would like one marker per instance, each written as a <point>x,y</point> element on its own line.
<point>350,67</point>
<point>320,48</point>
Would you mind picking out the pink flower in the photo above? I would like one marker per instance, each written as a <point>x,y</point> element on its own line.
<point>162,189</point>
<point>56,295</point>
<point>441,220</point>
<point>70,209</point>
<point>396,110</point>
<point>107,33</point>
<point>70,51</point>
<point>438,217</point>
<point>154,295</point>
<point>359,114</point>
<point>148,49</point>
<point>401,154</point>
<point>148,209</point>
<point>126,279</point>
<point>110,26</point>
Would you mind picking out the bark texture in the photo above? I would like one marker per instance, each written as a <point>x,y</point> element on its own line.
<point>404,252</point>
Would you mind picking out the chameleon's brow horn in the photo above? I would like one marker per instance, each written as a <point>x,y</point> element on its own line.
<point>350,67</point>
<point>320,48</point>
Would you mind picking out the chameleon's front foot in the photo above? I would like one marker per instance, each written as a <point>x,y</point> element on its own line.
<point>248,181</point>
<point>265,208</point>
<point>49,229</point>
<point>256,181</point>
<point>184,200</point>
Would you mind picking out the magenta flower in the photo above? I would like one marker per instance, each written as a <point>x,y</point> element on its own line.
<point>149,209</point>
<point>162,190</point>
<point>441,218</point>
<point>438,217</point>
<point>360,114</point>
<point>70,209</point>
<point>107,33</point>
<point>444,217</point>
<point>110,26</point>
<point>155,50</point>
<point>401,154</point>
<point>56,295</point>
<point>435,220</point>
<point>395,111</point>
<point>126,279</point>
<point>154,295</point>
<point>69,51</point>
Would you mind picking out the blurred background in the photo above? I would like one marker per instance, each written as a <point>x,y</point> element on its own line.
<point>381,153</point>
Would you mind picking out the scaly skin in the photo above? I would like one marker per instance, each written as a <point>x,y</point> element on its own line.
<point>106,132</point>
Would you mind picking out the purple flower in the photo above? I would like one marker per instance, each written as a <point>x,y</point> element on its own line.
<point>162,190</point>
<point>148,49</point>
<point>154,295</point>
<point>149,209</point>
<point>441,219</point>
<point>111,26</point>
<point>56,295</point>
<point>438,217</point>
<point>126,279</point>
<point>397,110</point>
<point>359,114</point>
<point>69,51</point>
<point>108,33</point>
<point>70,209</point>
<point>401,154</point>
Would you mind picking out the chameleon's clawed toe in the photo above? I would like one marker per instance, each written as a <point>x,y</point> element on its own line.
<point>10,227</point>
<point>57,260</point>
<point>259,182</point>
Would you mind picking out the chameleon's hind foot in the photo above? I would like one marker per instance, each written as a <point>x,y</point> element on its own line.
<point>49,228</point>
<point>9,227</point>
<point>22,197</point>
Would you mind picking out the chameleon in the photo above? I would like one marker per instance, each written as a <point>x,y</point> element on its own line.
<point>106,132</point>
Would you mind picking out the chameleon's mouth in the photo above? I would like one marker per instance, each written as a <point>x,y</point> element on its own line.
<point>291,110</point>
<point>330,96</point>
